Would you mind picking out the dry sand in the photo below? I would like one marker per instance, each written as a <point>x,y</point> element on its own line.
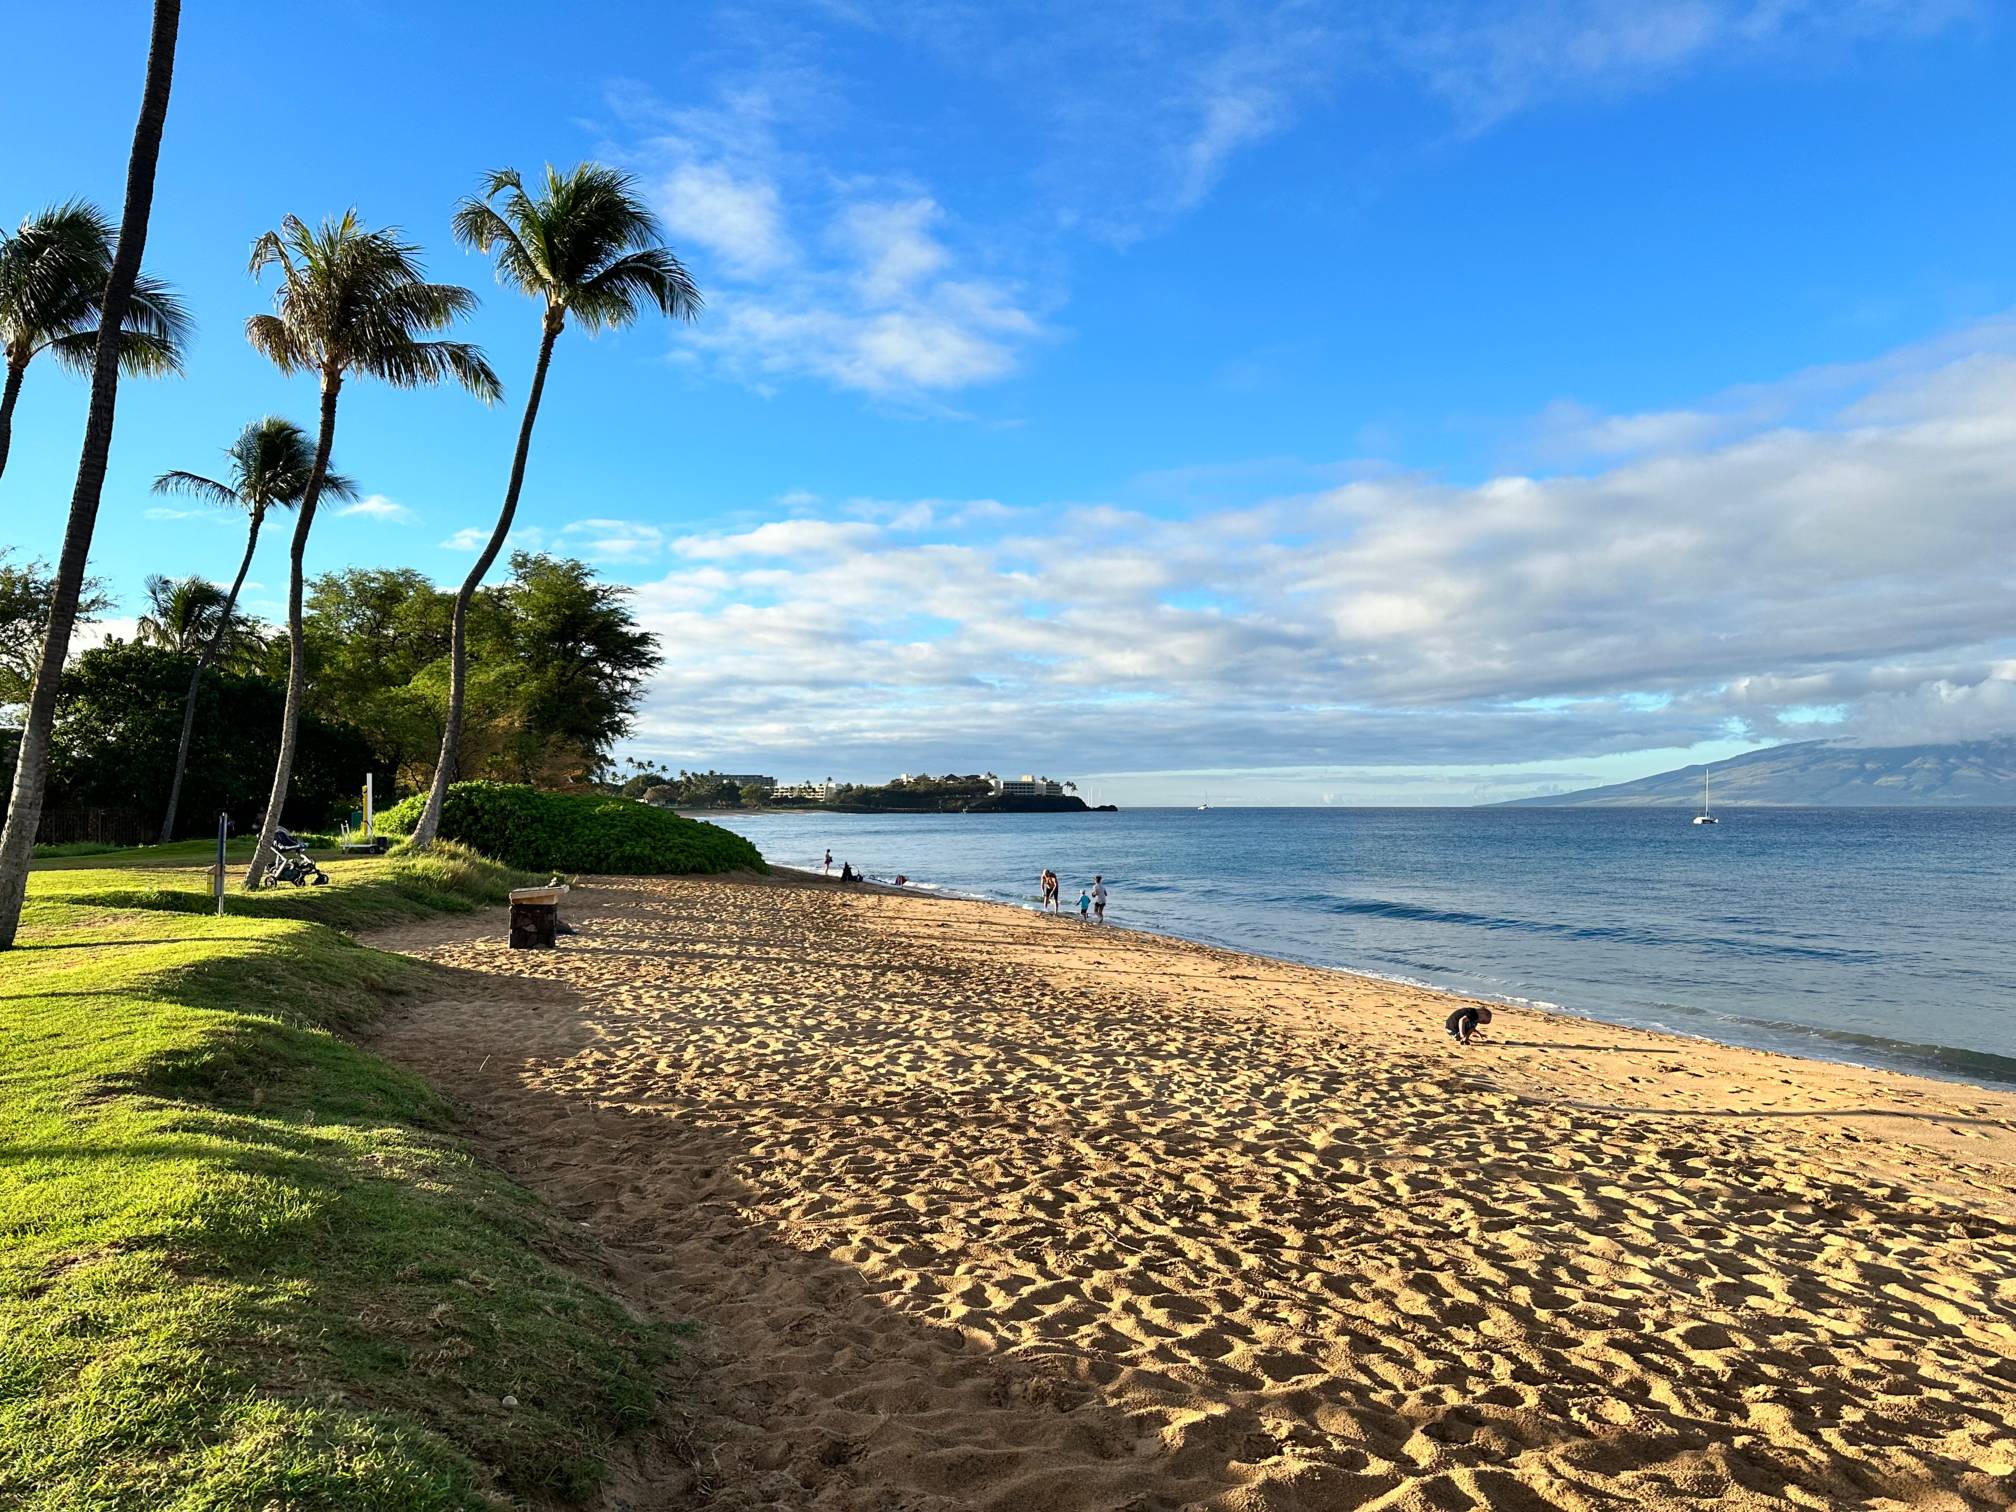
<point>974,1208</point>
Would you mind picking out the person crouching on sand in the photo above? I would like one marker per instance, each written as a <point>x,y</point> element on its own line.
<point>1465,1022</point>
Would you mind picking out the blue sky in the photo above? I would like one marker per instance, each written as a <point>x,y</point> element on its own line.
<point>1304,402</point>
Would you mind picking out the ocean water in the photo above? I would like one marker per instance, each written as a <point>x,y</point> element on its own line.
<point>1880,937</point>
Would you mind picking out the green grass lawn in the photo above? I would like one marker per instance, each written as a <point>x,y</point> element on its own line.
<point>243,1263</point>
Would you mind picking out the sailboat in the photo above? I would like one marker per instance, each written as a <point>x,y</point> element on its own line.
<point>1704,817</point>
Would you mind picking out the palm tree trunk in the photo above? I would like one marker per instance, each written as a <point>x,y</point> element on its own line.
<point>458,659</point>
<point>16,371</point>
<point>31,771</point>
<point>203,661</point>
<point>297,671</point>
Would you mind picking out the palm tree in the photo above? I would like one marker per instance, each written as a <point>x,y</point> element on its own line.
<point>349,301</point>
<point>270,464</point>
<point>184,617</point>
<point>585,244</point>
<point>31,766</point>
<point>53,273</point>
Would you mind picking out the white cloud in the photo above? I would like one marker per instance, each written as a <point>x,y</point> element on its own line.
<point>740,220</point>
<point>612,540</point>
<point>378,507</point>
<point>211,516</point>
<point>472,538</point>
<point>812,271</point>
<point>1860,563</point>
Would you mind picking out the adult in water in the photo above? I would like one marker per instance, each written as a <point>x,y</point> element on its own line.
<point>1465,1020</point>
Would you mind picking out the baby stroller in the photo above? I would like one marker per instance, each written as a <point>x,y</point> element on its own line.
<point>291,864</point>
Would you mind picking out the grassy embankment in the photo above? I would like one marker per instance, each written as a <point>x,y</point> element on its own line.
<point>242,1261</point>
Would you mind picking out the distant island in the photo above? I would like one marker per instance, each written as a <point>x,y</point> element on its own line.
<point>911,793</point>
<point>1822,774</point>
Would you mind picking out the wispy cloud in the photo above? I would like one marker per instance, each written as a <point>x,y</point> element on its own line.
<point>472,538</point>
<point>612,540</point>
<point>384,510</point>
<point>209,516</point>
<point>817,271</point>
<point>1492,62</point>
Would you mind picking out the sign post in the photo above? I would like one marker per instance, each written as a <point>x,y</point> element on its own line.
<point>369,831</point>
<point>223,829</point>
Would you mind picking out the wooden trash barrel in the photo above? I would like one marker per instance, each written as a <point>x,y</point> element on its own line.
<point>535,917</point>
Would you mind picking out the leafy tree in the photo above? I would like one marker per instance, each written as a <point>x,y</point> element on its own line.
<point>642,783</point>
<point>271,463</point>
<point>31,768</point>
<point>569,675</point>
<point>350,301</point>
<point>560,666</point>
<point>53,275</point>
<point>26,590</point>
<point>119,722</point>
<point>586,245</point>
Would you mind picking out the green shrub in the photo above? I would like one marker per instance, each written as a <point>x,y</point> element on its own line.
<point>576,832</point>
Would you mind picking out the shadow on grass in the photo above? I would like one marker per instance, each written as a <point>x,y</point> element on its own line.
<point>265,1272</point>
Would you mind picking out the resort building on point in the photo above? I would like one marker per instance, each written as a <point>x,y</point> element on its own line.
<point>1026,786</point>
<point>826,789</point>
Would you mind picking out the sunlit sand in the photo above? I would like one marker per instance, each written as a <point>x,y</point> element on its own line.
<point>974,1208</point>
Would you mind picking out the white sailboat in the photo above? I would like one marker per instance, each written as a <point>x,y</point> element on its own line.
<point>1704,817</point>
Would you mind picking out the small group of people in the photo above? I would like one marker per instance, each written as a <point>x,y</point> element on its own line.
<point>1091,900</point>
<point>847,872</point>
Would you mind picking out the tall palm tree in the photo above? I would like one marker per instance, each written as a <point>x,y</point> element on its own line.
<point>349,301</point>
<point>584,244</point>
<point>31,766</point>
<point>53,273</point>
<point>270,464</point>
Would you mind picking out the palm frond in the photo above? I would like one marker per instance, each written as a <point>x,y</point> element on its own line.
<point>585,243</point>
<point>336,486</point>
<point>271,338</point>
<point>197,486</point>
<point>412,364</point>
<point>654,276</point>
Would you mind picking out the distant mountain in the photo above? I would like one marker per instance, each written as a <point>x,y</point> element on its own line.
<point>1823,774</point>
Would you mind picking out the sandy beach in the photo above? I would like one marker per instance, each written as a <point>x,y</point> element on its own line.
<point>970,1207</point>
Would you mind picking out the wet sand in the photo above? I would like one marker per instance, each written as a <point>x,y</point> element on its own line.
<point>975,1208</point>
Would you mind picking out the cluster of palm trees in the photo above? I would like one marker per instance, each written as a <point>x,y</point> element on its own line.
<point>350,301</point>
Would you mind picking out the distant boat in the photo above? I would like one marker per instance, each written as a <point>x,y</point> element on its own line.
<point>1704,817</point>
<point>1205,804</point>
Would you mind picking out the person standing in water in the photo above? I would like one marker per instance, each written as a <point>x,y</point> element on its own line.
<point>1099,900</point>
<point>1084,904</point>
<point>1047,885</point>
<point>826,866</point>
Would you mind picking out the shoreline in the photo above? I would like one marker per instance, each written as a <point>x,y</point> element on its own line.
<point>1840,1079</point>
<point>2002,1078</point>
<point>973,1208</point>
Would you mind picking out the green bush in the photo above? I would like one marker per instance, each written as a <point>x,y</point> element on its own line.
<point>576,832</point>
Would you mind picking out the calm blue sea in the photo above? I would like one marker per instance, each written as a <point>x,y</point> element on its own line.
<point>1874,936</point>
